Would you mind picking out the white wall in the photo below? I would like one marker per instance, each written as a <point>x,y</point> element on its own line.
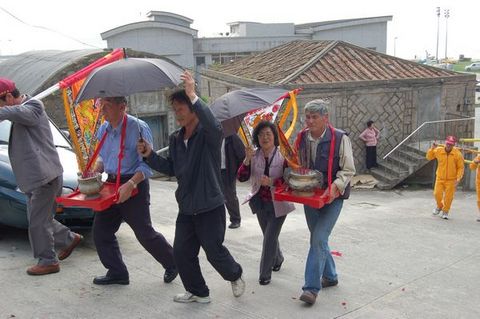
<point>240,44</point>
<point>367,35</point>
<point>173,44</point>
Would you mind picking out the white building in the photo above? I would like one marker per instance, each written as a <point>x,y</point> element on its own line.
<point>169,34</point>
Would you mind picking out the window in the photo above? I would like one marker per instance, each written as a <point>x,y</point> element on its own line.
<point>200,60</point>
<point>4,132</point>
<point>58,139</point>
<point>225,58</point>
<point>234,29</point>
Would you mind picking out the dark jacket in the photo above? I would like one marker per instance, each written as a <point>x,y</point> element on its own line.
<point>234,156</point>
<point>197,168</point>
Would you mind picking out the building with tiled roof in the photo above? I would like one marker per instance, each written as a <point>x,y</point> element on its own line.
<point>399,95</point>
<point>312,62</point>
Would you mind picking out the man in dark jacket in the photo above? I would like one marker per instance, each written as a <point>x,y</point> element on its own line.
<point>233,154</point>
<point>194,159</point>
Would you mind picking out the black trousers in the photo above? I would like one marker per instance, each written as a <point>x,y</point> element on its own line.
<point>271,227</point>
<point>371,159</point>
<point>206,230</point>
<point>231,199</point>
<point>136,213</point>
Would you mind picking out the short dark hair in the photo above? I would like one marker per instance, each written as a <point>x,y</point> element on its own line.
<point>15,93</point>
<point>117,99</point>
<point>180,96</point>
<point>260,126</point>
<point>369,123</point>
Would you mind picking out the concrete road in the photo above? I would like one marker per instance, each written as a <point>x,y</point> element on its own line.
<point>397,261</point>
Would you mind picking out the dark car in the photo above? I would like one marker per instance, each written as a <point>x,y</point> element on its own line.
<point>13,208</point>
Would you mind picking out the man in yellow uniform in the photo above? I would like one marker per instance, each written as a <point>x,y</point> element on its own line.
<point>475,165</point>
<point>449,173</point>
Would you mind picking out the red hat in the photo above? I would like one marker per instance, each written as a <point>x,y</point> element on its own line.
<point>450,140</point>
<point>6,86</point>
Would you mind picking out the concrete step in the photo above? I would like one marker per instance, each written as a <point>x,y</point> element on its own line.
<point>413,149</point>
<point>403,163</point>
<point>392,169</point>
<point>411,156</point>
<point>386,178</point>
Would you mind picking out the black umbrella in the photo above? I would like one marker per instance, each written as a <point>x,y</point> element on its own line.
<point>129,76</point>
<point>231,108</point>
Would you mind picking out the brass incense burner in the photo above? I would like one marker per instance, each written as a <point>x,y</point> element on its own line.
<point>303,181</point>
<point>90,184</point>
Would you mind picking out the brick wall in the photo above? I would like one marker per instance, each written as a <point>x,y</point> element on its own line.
<point>395,108</point>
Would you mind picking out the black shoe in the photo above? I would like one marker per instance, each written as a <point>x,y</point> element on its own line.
<point>264,282</point>
<point>277,267</point>
<point>234,225</point>
<point>329,283</point>
<point>170,275</point>
<point>108,280</point>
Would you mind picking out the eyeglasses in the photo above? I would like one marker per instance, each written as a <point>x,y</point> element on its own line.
<point>265,134</point>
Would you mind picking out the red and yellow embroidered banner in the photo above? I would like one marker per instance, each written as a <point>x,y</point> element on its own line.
<point>84,118</point>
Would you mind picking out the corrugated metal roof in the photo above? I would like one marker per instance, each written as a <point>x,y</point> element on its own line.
<point>313,62</point>
<point>31,69</point>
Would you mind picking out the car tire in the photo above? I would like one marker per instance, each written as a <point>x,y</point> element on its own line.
<point>467,69</point>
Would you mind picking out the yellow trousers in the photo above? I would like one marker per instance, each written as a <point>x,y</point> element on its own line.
<point>443,192</point>
<point>477,187</point>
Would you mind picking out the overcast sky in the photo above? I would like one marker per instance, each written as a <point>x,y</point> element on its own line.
<point>414,23</point>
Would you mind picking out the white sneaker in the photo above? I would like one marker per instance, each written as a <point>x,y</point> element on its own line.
<point>444,215</point>
<point>238,287</point>
<point>187,297</point>
<point>436,211</point>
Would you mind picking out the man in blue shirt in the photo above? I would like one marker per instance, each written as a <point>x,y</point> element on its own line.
<point>134,210</point>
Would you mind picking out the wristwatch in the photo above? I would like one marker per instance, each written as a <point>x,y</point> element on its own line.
<point>133,183</point>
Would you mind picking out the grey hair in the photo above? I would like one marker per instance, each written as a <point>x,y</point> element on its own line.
<point>320,106</point>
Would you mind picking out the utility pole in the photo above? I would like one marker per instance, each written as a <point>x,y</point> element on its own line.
<point>395,46</point>
<point>447,15</point>
<point>438,31</point>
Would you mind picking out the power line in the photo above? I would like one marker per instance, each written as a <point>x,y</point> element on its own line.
<point>47,29</point>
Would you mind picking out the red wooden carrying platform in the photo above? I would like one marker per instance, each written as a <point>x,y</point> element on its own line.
<point>108,197</point>
<point>283,193</point>
<point>109,193</point>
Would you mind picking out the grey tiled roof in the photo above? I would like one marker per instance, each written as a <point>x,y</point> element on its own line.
<point>310,62</point>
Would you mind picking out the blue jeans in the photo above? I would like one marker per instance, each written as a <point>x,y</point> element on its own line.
<point>319,261</point>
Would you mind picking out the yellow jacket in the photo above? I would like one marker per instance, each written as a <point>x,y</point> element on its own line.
<point>474,166</point>
<point>450,165</point>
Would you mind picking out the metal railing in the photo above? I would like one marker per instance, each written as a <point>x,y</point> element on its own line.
<point>424,124</point>
<point>397,165</point>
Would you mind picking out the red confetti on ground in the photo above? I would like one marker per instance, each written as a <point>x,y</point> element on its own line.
<point>403,289</point>
<point>336,253</point>
<point>344,303</point>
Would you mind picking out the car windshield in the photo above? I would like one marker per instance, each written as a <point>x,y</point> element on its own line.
<point>58,138</point>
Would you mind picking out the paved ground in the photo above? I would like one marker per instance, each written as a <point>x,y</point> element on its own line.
<point>398,261</point>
